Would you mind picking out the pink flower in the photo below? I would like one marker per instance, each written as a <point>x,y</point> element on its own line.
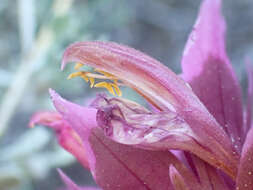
<point>200,114</point>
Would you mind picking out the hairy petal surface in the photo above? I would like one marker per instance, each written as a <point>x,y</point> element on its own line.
<point>117,166</point>
<point>244,179</point>
<point>249,98</point>
<point>207,69</point>
<point>129,123</point>
<point>66,136</point>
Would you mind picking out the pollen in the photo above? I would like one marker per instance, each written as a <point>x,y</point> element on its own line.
<point>111,85</point>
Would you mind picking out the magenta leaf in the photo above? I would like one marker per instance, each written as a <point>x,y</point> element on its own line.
<point>207,69</point>
<point>244,179</point>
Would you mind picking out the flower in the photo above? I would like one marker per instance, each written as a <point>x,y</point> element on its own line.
<point>199,114</point>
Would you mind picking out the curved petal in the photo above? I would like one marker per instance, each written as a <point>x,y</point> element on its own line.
<point>117,166</point>
<point>146,75</point>
<point>129,123</point>
<point>47,118</point>
<point>207,69</point>
<point>158,84</point>
<point>66,136</point>
<point>244,179</point>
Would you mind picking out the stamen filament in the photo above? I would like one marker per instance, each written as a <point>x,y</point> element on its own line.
<point>78,66</point>
<point>79,74</point>
<point>117,90</point>
<point>92,81</point>
<point>104,73</point>
<point>106,85</point>
<point>94,75</point>
<point>112,87</point>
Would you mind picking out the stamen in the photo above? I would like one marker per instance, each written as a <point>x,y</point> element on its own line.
<point>79,74</point>
<point>105,73</point>
<point>94,75</point>
<point>85,78</point>
<point>106,85</point>
<point>112,87</point>
<point>78,66</point>
<point>116,88</point>
<point>92,81</point>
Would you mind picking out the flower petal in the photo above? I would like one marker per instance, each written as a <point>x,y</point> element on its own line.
<point>66,136</point>
<point>207,69</point>
<point>244,179</point>
<point>129,123</point>
<point>47,118</point>
<point>249,98</point>
<point>117,166</point>
<point>207,175</point>
<point>216,181</point>
<point>177,180</point>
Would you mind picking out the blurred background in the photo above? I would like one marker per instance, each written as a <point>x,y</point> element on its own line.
<point>33,36</point>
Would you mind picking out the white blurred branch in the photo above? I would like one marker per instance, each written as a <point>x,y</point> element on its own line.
<point>33,51</point>
<point>27,24</point>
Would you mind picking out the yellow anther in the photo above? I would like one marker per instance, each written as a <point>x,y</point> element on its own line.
<point>76,74</point>
<point>79,74</point>
<point>112,86</point>
<point>106,85</point>
<point>78,66</point>
<point>105,73</point>
<point>84,77</point>
<point>92,81</point>
<point>115,81</point>
<point>116,88</point>
<point>110,89</point>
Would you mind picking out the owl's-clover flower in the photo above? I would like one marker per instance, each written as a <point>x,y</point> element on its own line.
<point>198,113</point>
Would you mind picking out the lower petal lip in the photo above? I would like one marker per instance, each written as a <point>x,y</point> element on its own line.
<point>163,131</point>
